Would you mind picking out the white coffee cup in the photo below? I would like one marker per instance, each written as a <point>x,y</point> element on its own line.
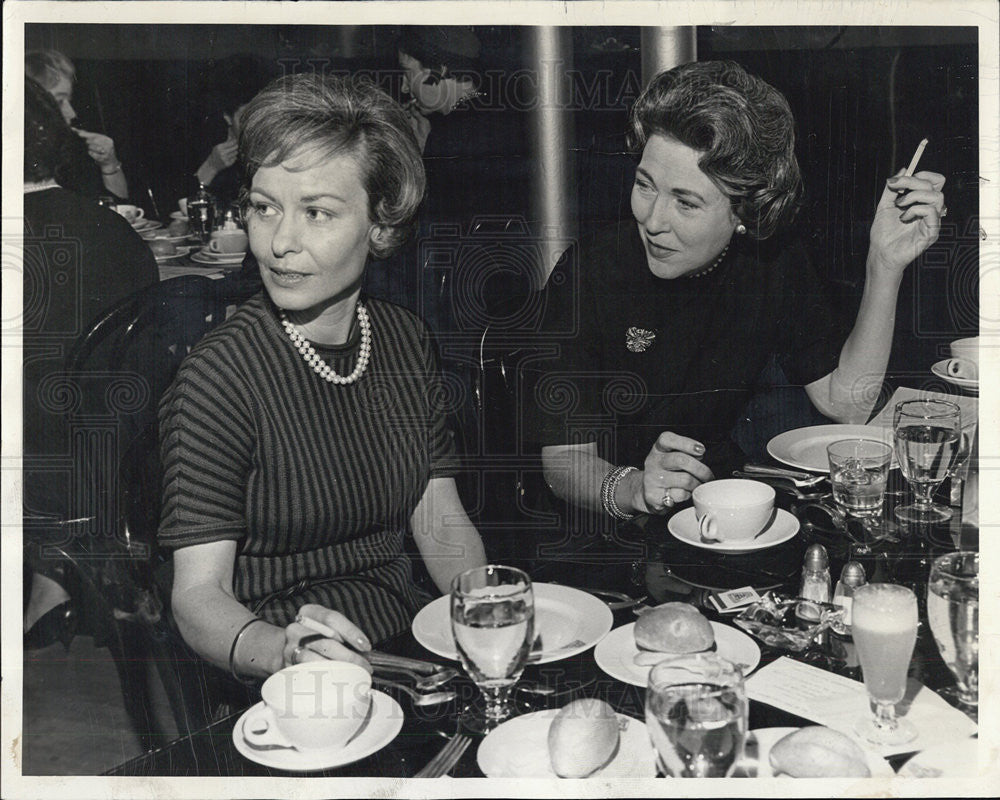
<point>234,241</point>
<point>131,213</point>
<point>964,361</point>
<point>732,509</point>
<point>314,705</point>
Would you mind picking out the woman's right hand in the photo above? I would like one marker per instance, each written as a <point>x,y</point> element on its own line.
<point>348,639</point>
<point>672,470</point>
<point>223,155</point>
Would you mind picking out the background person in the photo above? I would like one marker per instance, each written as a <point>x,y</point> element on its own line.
<point>80,259</point>
<point>303,439</point>
<point>57,74</point>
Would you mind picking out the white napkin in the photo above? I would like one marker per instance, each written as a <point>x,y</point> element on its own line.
<point>839,702</point>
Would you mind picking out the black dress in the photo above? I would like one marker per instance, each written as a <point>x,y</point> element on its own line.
<point>640,355</point>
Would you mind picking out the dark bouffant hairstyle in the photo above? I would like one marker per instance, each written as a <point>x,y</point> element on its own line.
<point>332,115</point>
<point>742,126</point>
<point>49,143</point>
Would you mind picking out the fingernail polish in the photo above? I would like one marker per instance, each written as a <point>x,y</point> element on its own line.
<point>699,448</point>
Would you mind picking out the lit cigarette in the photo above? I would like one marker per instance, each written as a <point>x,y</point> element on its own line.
<point>319,627</point>
<point>916,157</point>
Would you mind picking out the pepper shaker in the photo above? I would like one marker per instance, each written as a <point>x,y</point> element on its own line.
<point>815,581</point>
<point>851,577</point>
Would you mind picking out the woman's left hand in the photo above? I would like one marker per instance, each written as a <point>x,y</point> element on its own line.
<point>907,220</point>
<point>101,148</point>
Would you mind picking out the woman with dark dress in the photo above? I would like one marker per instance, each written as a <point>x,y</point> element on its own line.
<point>667,322</point>
<point>305,437</point>
<point>80,259</point>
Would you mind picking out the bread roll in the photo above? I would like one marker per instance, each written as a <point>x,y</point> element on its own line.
<point>583,737</point>
<point>818,752</point>
<point>675,628</point>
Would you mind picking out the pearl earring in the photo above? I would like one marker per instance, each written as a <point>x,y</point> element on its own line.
<point>741,229</point>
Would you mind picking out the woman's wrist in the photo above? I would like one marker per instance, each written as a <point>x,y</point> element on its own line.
<point>107,169</point>
<point>257,650</point>
<point>615,498</point>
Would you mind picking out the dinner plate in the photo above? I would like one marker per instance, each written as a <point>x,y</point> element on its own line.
<point>519,748</point>
<point>684,526</point>
<point>756,761</point>
<point>941,370</point>
<point>568,620</point>
<point>230,259</point>
<point>805,448</point>
<point>144,224</point>
<point>381,728</point>
<point>615,652</point>
<point>181,251</point>
<point>160,235</point>
<point>952,760</point>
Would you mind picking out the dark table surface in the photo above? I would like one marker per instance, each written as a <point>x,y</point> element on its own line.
<point>667,571</point>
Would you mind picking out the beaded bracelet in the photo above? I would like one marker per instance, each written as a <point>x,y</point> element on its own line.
<point>608,489</point>
<point>232,651</point>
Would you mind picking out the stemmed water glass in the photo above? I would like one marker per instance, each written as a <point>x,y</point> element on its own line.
<point>884,627</point>
<point>928,437</point>
<point>953,614</point>
<point>696,715</point>
<point>493,621</point>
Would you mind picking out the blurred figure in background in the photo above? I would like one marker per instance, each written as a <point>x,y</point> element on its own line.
<point>228,85</point>
<point>79,260</point>
<point>56,74</point>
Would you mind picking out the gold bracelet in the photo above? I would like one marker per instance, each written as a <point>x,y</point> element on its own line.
<point>232,651</point>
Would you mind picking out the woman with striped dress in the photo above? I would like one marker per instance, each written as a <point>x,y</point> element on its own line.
<point>304,438</point>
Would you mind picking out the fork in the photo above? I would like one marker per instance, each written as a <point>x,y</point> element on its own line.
<point>446,758</point>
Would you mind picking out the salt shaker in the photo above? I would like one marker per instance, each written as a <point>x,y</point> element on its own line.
<point>815,581</point>
<point>851,577</point>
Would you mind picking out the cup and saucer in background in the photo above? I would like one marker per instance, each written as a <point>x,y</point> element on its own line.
<point>962,369</point>
<point>733,515</point>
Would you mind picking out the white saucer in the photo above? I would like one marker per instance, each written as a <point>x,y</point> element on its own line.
<point>181,251</point>
<point>763,739</point>
<point>144,224</point>
<point>958,759</point>
<point>940,369</point>
<point>157,233</point>
<point>519,748</point>
<point>684,526</point>
<point>616,652</point>
<point>227,259</point>
<point>381,728</point>
<point>178,215</point>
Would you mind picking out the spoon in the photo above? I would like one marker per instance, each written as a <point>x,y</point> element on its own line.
<point>434,698</point>
<point>802,480</point>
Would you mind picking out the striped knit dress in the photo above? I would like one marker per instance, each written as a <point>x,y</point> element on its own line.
<point>315,482</point>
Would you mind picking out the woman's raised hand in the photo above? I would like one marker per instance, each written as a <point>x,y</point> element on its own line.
<point>907,220</point>
<point>672,470</point>
<point>339,639</point>
<point>101,148</point>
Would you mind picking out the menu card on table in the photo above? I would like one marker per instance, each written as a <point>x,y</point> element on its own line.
<point>838,702</point>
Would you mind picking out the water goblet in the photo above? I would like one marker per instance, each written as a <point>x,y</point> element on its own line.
<point>884,627</point>
<point>696,715</point>
<point>492,620</point>
<point>953,614</point>
<point>928,437</point>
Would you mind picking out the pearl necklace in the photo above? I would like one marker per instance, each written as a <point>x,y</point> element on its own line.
<point>319,366</point>
<point>715,263</point>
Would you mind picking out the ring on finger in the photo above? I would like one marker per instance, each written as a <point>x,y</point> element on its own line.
<point>944,212</point>
<point>668,501</point>
<point>296,655</point>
